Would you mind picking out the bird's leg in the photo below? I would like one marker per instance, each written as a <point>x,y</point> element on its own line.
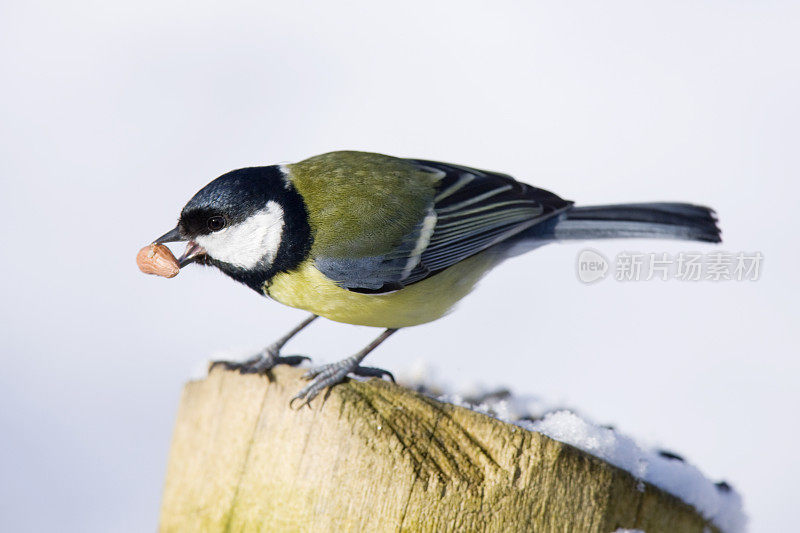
<point>333,373</point>
<point>270,356</point>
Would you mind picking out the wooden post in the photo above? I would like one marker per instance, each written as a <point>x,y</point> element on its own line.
<point>374,456</point>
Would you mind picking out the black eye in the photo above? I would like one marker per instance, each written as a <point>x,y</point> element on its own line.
<point>216,223</point>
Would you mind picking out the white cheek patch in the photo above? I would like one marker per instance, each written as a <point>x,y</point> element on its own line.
<point>250,242</point>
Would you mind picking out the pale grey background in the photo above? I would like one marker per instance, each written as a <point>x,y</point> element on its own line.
<point>113,114</point>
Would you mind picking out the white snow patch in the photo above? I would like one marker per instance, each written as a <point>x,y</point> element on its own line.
<point>721,505</point>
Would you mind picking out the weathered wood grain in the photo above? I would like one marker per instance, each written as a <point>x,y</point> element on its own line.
<point>377,457</point>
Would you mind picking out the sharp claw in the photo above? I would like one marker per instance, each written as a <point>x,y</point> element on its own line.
<point>228,365</point>
<point>304,397</point>
<point>312,373</point>
<point>330,375</point>
<point>261,364</point>
<point>292,360</point>
<point>297,398</point>
<point>373,372</point>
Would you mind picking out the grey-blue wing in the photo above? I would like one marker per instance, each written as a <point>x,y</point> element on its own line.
<point>472,210</point>
<point>385,272</point>
<point>477,209</point>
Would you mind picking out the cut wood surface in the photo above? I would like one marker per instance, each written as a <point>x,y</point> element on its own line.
<point>374,456</point>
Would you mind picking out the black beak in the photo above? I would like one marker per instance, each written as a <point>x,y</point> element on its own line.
<point>193,250</point>
<point>173,235</point>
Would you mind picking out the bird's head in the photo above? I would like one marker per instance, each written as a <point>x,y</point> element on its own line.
<point>250,223</point>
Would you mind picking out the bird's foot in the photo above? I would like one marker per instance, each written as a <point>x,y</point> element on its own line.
<point>262,362</point>
<point>332,374</point>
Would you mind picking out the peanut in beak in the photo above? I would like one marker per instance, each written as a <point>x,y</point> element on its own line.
<point>157,259</point>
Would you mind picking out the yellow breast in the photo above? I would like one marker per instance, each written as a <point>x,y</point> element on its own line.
<point>307,288</point>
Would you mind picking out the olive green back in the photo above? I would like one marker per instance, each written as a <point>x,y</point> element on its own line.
<point>362,204</point>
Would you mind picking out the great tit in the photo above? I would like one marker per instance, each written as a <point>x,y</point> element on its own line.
<point>375,240</point>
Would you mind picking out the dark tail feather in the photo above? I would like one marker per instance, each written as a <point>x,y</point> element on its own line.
<point>650,220</point>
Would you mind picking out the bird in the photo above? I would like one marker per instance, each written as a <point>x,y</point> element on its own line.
<point>375,240</point>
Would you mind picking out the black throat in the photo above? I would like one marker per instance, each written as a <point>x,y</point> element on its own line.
<point>296,238</point>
